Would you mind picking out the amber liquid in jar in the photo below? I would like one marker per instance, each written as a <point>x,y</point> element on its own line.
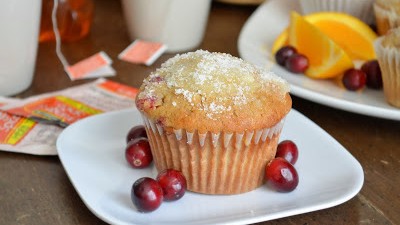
<point>74,19</point>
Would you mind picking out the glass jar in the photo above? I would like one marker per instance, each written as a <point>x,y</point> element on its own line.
<point>74,19</point>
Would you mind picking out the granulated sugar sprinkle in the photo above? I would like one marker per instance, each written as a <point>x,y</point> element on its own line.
<point>218,79</point>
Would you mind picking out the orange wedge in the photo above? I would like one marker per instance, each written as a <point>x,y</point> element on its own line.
<point>326,58</point>
<point>350,33</point>
<point>353,35</point>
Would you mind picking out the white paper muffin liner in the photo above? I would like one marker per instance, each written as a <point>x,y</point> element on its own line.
<point>385,19</point>
<point>389,62</point>
<point>361,9</point>
<point>214,163</point>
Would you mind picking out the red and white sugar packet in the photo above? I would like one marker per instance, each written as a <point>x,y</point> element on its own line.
<point>20,134</point>
<point>97,65</point>
<point>143,52</point>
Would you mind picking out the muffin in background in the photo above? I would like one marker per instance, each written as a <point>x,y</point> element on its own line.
<point>361,9</point>
<point>387,14</point>
<point>214,117</point>
<point>387,49</point>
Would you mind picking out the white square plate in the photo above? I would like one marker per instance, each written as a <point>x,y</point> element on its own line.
<point>92,153</point>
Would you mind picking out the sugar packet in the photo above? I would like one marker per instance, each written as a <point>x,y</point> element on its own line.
<point>21,132</point>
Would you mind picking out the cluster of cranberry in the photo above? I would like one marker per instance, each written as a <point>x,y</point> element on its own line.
<point>147,193</point>
<point>369,75</point>
<point>353,79</point>
<point>288,57</point>
<point>280,173</point>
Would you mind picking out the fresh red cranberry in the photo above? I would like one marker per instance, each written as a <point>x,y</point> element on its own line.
<point>281,175</point>
<point>354,79</point>
<point>146,194</point>
<point>136,132</point>
<point>173,184</point>
<point>287,149</point>
<point>297,63</point>
<point>138,153</point>
<point>374,75</point>
<point>284,53</point>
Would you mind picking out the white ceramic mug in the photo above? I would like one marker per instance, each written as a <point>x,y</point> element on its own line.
<point>180,24</point>
<point>19,26</point>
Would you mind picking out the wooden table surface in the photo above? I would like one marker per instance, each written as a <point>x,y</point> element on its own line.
<point>36,189</point>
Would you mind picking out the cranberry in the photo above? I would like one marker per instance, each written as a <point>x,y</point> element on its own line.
<point>297,63</point>
<point>354,79</point>
<point>373,71</point>
<point>146,194</point>
<point>136,132</point>
<point>287,149</point>
<point>284,53</point>
<point>138,153</point>
<point>281,175</point>
<point>173,184</point>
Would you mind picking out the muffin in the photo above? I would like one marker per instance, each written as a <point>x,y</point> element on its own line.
<point>387,50</point>
<point>361,9</point>
<point>387,14</point>
<point>214,117</point>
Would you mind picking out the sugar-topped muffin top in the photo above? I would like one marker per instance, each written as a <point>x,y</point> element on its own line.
<point>213,92</point>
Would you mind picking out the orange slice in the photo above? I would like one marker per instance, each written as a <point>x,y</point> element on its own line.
<point>350,33</point>
<point>326,58</point>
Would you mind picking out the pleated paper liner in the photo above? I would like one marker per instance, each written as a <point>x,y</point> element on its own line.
<point>389,62</point>
<point>222,163</point>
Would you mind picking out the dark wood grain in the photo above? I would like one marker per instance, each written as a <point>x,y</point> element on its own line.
<point>36,189</point>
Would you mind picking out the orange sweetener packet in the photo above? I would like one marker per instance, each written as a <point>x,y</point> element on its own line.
<point>19,127</point>
<point>143,52</point>
<point>97,65</point>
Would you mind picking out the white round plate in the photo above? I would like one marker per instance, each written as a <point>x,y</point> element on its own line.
<point>255,43</point>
